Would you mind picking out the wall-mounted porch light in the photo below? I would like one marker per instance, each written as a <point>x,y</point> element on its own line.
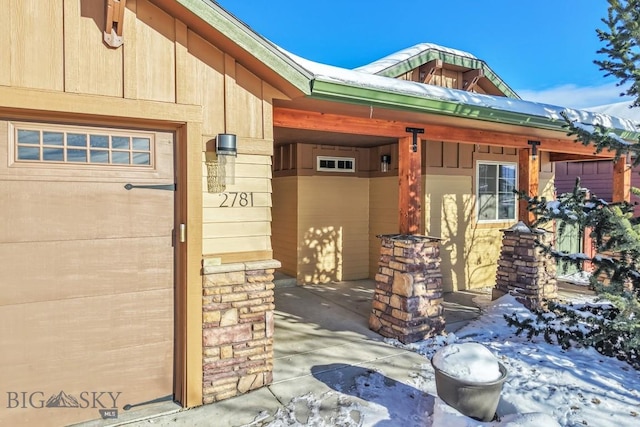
<point>221,162</point>
<point>385,162</point>
<point>534,149</point>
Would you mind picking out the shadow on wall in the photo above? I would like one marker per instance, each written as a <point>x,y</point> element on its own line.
<point>320,253</point>
<point>467,254</point>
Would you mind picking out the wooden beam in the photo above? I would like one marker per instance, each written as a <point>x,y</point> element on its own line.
<point>91,108</point>
<point>311,120</point>
<point>621,181</point>
<point>114,23</point>
<point>470,78</point>
<point>431,67</point>
<point>528,181</point>
<point>562,157</point>
<point>410,188</point>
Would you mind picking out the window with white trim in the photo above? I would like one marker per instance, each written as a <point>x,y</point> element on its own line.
<point>495,185</point>
<point>41,143</point>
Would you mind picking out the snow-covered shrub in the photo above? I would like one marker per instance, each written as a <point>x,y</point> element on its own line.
<point>599,325</point>
<point>612,325</point>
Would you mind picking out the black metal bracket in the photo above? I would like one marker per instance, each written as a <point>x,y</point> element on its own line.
<point>415,132</point>
<point>534,148</point>
<point>169,187</point>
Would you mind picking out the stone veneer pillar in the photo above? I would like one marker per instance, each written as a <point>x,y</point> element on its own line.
<point>523,270</point>
<point>407,304</point>
<point>237,328</point>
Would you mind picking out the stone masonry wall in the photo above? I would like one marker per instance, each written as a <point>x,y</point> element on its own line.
<point>523,270</point>
<point>237,329</point>
<point>407,304</point>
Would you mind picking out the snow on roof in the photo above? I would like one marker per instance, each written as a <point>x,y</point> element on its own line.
<point>618,109</point>
<point>360,79</point>
<point>395,58</point>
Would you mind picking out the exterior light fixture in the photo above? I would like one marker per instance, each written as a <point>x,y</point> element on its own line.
<point>534,149</point>
<point>385,162</point>
<point>227,151</point>
<point>220,159</point>
<point>226,145</point>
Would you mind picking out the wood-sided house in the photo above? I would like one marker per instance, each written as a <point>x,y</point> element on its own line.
<point>142,218</point>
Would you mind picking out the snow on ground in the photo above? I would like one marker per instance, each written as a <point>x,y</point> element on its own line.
<point>546,386</point>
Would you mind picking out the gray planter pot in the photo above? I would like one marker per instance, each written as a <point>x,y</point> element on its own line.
<point>473,399</point>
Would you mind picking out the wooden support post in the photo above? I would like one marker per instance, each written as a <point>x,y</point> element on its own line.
<point>410,181</point>
<point>528,180</point>
<point>621,181</point>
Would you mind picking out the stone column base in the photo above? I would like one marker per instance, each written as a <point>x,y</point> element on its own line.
<point>407,304</point>
<point>237,328</point>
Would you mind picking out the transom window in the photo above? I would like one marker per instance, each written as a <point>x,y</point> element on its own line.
<point>336,164</point>
<point>95,146</point>
<point>495,185</point>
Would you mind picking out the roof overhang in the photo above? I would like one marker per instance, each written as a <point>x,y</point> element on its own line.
<point>472,107</point>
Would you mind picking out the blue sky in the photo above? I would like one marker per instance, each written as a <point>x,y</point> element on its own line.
<point>543,49</point>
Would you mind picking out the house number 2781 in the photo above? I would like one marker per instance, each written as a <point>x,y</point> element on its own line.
<point>236,199</point>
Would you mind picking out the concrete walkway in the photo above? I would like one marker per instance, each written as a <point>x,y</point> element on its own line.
<point>322,343</point>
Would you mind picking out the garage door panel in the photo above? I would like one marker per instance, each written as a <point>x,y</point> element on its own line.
<point>48,211</point>
<point>109,371</point>
<point>42,271</point>
<point>113,371</point>
<point>57,330</point>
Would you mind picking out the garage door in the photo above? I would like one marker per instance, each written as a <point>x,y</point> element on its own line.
<point>86,292</point>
